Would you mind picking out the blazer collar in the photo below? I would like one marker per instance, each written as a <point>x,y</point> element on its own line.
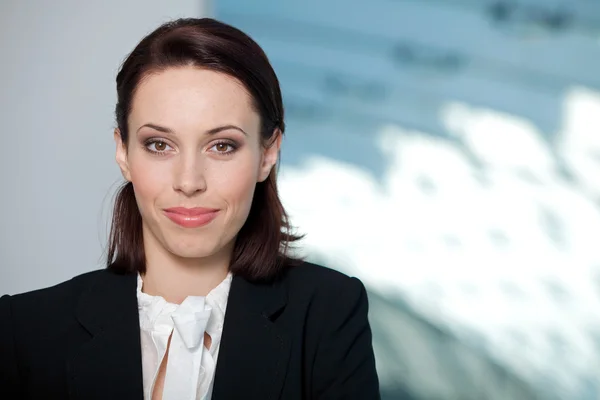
<point>253,354</point>
<point>109,365</point>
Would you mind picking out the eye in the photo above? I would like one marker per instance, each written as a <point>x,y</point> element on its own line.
<point>223,148</point>
<point>157,146</point>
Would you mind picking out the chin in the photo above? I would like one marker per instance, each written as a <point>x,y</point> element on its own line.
<point>194,246</point>
<point>192,251</point>
<point>190,244</point>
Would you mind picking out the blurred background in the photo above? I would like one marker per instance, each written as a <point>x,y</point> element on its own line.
<point>447,152</point>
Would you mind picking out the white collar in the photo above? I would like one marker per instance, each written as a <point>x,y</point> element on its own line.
<point>152,307</point>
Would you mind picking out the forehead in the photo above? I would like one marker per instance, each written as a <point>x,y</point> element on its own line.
<point>191,97</point>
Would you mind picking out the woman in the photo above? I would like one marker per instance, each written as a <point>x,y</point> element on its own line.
<point>200,299</point>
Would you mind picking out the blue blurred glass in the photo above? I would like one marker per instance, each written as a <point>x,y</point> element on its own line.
<point>448,154</point>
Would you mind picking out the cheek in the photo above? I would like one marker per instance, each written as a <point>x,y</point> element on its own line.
<point>235,181</point>
<point>149,179</point>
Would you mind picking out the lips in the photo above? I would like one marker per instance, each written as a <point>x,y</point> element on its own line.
<point>191,217</point>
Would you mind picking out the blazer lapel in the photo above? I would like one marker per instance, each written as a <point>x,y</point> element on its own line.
<point>254,354</point>
<point>109,365</point>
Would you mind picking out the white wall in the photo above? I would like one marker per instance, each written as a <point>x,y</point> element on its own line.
<point>57,172</point>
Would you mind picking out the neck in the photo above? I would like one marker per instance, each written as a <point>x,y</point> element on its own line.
<point>175,278</point>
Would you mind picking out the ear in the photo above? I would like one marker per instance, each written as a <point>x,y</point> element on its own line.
<point>121,155</point>
<point>270,156</point>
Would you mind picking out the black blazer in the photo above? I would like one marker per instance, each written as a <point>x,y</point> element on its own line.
<point>305,336</point>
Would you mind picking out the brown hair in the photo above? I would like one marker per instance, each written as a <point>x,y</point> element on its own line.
<point>260,251</point>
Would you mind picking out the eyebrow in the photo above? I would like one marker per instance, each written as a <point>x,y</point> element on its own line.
<point>212,131</point>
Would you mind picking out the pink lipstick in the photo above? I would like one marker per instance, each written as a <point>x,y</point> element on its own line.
<point>191,217</point>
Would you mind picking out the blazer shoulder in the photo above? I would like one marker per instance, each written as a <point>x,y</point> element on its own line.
<point>62,296</point>
<point>309,277</point>
<point>333,311</point>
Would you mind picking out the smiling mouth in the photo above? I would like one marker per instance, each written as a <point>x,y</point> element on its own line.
<point>191,217</point>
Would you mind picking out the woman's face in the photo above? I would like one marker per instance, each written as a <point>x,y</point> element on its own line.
<point>194,156</point>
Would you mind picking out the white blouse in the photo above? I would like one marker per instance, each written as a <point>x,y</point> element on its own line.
<point>190,366</point>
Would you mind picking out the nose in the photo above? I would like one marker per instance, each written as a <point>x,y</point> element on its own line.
<point>189,175</point>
